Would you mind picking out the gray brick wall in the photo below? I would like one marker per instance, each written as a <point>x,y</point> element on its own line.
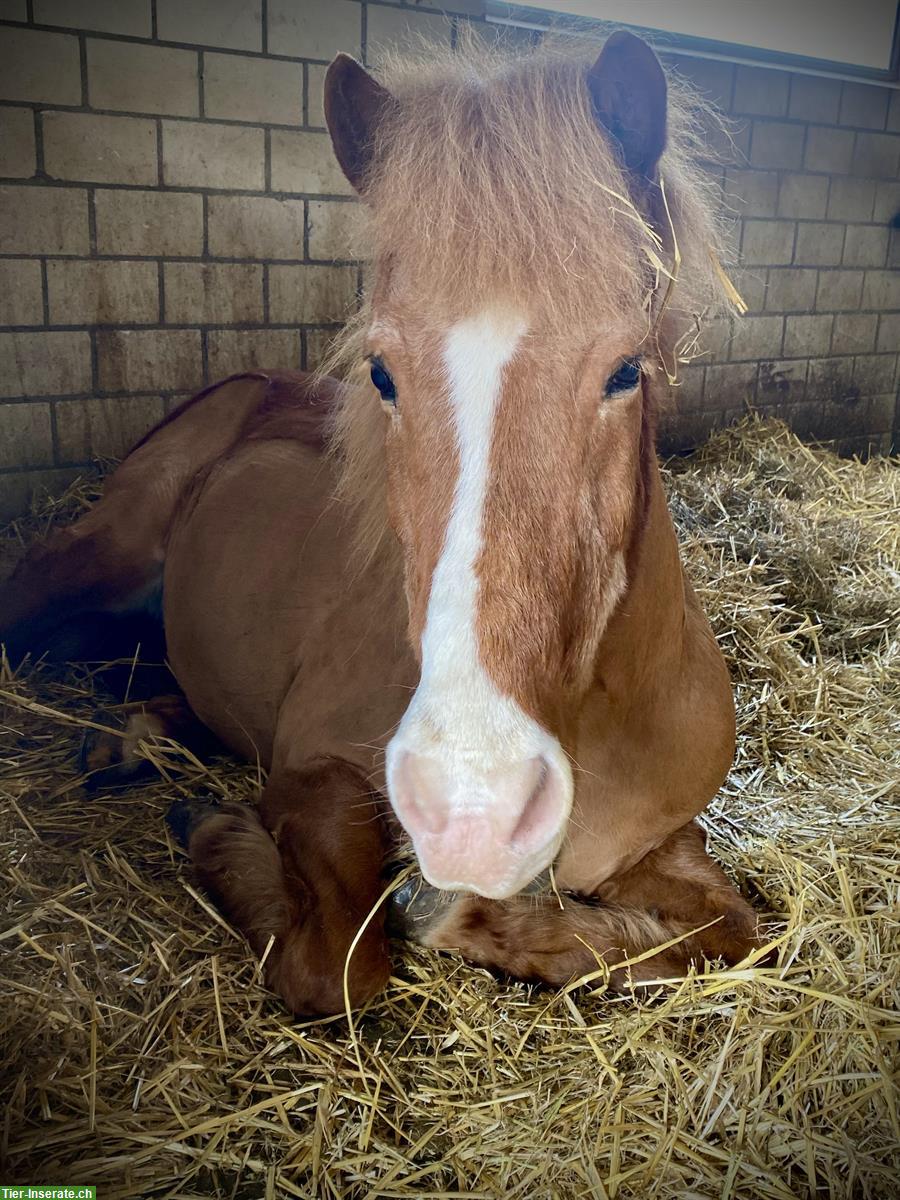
<point>170,211</point>
<point>814,186</point>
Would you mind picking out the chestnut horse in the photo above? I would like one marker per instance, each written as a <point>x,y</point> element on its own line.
<point>455,581</point>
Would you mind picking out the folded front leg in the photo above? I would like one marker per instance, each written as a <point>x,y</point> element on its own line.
<point>299,879</point>
<point>675,892</point>
<point>534,938</point>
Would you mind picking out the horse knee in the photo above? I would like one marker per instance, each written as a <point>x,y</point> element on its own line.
<point>341,876</point>
<point>309,975</point>
<point>686,889</point>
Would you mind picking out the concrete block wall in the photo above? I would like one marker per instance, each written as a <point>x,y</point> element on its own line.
<point>170,212</point>
<point>814,185</point>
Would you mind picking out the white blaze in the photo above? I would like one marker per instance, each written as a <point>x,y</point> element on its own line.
<point>457,715</point>
<point>452,675</point>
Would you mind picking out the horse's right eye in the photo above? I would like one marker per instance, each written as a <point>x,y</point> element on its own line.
<point>381,378</point>
<point>625,379</point>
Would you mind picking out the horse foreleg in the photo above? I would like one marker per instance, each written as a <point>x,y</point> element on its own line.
<point>675,892</point>
<point>299,879</point>
<point>539,938</point>
<point>679,882</point>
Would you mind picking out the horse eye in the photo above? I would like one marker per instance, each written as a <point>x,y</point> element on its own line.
<point>625,379</point>
<point>381,378</point>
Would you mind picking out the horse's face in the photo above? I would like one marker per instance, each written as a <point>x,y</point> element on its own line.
<point>512,468</point>
<point>513,451</point>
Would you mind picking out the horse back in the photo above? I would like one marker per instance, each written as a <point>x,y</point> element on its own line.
<point>283,404</point>
<point>111,559</point>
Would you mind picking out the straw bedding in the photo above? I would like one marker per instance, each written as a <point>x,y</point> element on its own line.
<point>141,1054</point>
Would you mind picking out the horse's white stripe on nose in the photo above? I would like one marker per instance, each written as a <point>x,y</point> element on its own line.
<point>476,352</point>
<point>481,786</point>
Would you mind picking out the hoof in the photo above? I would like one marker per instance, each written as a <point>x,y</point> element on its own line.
<point>111,760</point>
<point>185,816</point>
<point>106,759</point>
<point>414,907</point>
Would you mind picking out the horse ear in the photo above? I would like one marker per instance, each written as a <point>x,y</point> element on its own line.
<point>628,92</point>
<point>354,104</point>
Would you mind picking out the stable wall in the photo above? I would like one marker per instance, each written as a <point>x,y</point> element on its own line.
<point>170,212</point>
<point>815,183</point>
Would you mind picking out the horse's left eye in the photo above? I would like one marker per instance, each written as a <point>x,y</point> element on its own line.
<point>625,379</point>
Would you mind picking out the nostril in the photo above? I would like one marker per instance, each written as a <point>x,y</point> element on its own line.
<point>420,795</point>
<point>424,817</point>
<point>539,818</point>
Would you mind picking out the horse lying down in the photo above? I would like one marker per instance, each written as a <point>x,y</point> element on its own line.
<point>445,597</point>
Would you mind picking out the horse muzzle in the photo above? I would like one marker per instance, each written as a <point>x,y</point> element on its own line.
<point>484,831</point>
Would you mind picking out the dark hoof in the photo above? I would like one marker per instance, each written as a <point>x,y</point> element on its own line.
<point>114,760</point>
<point>185,816</point>
<point>414,907</point>
<point>103,758</point>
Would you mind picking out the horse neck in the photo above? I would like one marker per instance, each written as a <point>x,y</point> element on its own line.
<point>646,632</point>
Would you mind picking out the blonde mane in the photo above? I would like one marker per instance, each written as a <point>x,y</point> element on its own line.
<point>492,179</point>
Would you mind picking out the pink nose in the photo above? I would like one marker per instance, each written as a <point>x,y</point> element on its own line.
<point>487,832</point>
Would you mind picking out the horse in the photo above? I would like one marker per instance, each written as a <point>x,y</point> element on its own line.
<point>443,598</point>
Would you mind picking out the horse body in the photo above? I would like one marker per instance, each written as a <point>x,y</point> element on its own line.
<point>520,665</point>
